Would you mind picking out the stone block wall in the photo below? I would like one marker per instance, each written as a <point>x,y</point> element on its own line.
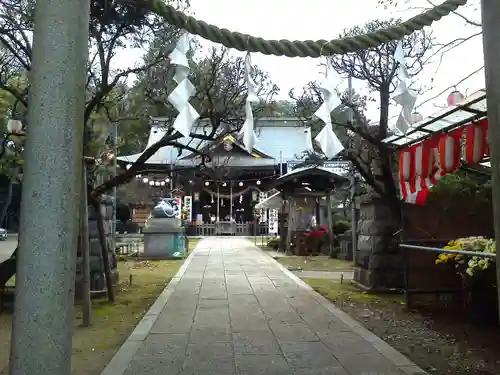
<point>379,264</point>
<point>97,278</point>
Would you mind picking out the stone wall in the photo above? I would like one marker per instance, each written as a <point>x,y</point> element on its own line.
<point>97,278</point>
<point>379,264</point>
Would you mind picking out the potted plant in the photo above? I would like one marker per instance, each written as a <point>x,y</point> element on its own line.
<point>477,274</point>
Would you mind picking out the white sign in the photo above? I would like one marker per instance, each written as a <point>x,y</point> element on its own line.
<point>273,221</point>
<point>188,205</point>
<point>339,167</point>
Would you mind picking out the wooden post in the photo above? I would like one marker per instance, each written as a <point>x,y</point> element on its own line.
<point>329,222</point>
<point>85,252</point>
<point>490,10</point>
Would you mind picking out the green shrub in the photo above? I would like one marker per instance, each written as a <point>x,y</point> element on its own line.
<point>341,227</point>
<point>273,244</point>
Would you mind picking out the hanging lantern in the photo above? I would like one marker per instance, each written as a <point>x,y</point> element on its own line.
<point>151,183</point>
<point>241,198</point>
<point>224,184</point>
<point>228,145</point>
<point>258,182</point>
<point>207,183</point>
<point>476,145</point>
<point>14,126</point>
<point>406,171</point>
<point>255,195</point>
<point>145,180</point>
<point>450,150</point>
<point>415,117</point>
<point>454,98</point>
<point>426,163</point>
<point>157,183</point>
<point>240,184</point>
<point>162,183</point>
<point>167,180</point>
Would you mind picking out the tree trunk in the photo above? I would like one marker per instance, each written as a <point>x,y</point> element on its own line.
<point>8,200</point>
<point>85,252</point>
<point>104,250</point>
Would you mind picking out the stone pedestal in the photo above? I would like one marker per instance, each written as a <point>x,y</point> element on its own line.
<point>163,239</point>
<point>345,252</point>
<point>379,263</point>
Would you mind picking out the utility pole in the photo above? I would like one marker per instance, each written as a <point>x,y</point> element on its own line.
<point>490,10</point>
<point>45,282</point>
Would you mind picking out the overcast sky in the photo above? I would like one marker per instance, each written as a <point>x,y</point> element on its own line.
<point>325,19</point>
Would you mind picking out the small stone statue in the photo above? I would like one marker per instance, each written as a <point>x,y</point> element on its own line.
<point>165,209</point>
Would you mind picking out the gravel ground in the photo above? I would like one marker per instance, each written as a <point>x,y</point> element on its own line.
<point>439,343</point>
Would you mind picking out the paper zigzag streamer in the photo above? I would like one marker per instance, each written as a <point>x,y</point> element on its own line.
<point>328,141</point>
<point>247,130</point>
<point>179,98</point>
<point>403,95</point>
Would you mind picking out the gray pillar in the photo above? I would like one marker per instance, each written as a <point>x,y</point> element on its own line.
<point>43,313</point>
<point>491,45</point>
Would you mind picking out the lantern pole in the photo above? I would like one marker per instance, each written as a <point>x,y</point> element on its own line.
<point>490,10</point>
<point>45,282</point>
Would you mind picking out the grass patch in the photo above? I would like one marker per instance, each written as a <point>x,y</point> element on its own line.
<point>317,263</point>
<point>340,293</point>
<point>192,242</point>
<point>93,347</point>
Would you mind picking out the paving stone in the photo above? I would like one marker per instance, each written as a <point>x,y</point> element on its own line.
<point>235,312</point>
<point>308,355</point>
<point>251,364</point>
<point>293,332</point>
<point>254,342</point>
<point>207,334</point>
<point>361,364</point>
<point>209,356</point>
<point>322,371</point>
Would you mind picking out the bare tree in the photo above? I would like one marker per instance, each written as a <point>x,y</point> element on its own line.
<point>221,92</point>
<point>362,140</point>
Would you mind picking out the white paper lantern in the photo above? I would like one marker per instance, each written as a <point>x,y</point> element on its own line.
<point>258,182</point>
<point>454,98</point>
<point>240,184</point>
<point>14,126</point>
<point>151,183</point>
<point>415,117</point>
<point>145,180</point>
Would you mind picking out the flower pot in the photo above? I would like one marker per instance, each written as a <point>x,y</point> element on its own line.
<point>482,300</point>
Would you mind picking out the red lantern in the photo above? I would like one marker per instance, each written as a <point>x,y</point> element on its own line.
<point>450,151</point>
<point>454,98</point>
<point>426,163</point>
<point>476,145</point>
<point>406,171</point>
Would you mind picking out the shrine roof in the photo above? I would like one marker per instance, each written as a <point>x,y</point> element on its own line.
<point>278,138</point>
<point>312,178</point>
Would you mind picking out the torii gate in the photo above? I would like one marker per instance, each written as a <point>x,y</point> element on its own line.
<point>42,334</point>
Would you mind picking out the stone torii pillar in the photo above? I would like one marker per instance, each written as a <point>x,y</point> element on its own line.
<point>490,10</point>
<point>43,312</point>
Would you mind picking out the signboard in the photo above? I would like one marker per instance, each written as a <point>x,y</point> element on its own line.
<point>188,205</point>
<point>340,167</point>
<point>273,221</point>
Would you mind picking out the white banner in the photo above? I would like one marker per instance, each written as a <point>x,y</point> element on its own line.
<point>188,205</point>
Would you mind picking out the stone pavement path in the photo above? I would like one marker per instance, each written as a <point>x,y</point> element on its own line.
<point>234,310</point>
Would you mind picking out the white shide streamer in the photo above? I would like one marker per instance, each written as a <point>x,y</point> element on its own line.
<point>403,95</point>
<point>247,130</point>
<point>179,98</point>
<point>327,140</point>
